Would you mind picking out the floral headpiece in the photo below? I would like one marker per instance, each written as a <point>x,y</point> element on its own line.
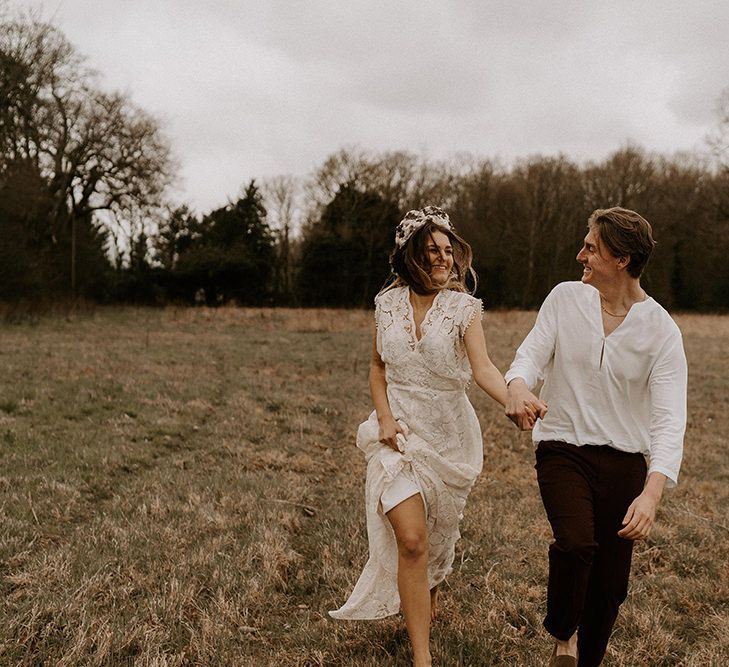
<point>415,219</point>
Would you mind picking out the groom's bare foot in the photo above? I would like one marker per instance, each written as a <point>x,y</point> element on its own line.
<point>433,603</point>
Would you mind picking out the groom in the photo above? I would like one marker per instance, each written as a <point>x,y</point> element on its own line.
<point>614,374</point>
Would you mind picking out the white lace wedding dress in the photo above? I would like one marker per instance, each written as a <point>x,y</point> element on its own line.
<point>426,382</point>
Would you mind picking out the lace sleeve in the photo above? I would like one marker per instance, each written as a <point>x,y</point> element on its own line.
<point>378,328</point>
<point>471,310</point>
<point>383,317</point>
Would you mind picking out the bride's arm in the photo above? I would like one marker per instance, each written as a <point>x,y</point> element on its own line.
<point>488,377</point>
<point>389,428</point>
<point>485,374</point>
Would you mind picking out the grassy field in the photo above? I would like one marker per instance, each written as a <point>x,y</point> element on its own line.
<point>181,487</point>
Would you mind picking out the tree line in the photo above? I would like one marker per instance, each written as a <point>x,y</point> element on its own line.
<point>85,209</point>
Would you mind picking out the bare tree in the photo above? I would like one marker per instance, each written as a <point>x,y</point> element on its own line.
<point>409,180</point>
<point>624,179</point>
<point>718,139</point>
<point>345,166</point>
<point>94,151</point>
<point>282,196</point>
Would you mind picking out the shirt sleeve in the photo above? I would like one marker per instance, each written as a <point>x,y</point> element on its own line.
<point>537,349</point>
<point>667,386</point>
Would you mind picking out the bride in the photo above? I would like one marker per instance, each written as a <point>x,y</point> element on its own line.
<point>423,441</point>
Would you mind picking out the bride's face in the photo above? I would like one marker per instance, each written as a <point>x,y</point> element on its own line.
<point>439,253</point>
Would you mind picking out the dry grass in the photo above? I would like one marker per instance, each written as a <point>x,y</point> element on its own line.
<point>180,487</point>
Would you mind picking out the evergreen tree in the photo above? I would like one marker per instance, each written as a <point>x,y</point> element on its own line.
<point>229,255</point>
<point>345,253</point>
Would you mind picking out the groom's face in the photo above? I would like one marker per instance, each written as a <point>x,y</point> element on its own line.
<point>598,265</point>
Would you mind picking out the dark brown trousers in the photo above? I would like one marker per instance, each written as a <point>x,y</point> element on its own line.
<point>586,492</point>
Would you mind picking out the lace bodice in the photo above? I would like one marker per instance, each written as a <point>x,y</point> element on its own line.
<point>438,359</point>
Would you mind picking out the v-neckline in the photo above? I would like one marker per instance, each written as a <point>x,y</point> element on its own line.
<point>411,316</point>
<point>601,320</point>
<point>627,315</point>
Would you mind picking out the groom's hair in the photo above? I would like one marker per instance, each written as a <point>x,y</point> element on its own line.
<point>626,234</point>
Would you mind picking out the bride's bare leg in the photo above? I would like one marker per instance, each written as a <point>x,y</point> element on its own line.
<point>434,603</point>
<point>408,522</point>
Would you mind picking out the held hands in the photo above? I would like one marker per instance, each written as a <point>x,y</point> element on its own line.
<point>389,430</point>
<point>523,407</point>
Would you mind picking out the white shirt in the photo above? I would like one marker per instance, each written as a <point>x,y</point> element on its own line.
<point>626,390</point>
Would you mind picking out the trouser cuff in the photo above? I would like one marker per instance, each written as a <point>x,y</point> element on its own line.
<point>556,632</point>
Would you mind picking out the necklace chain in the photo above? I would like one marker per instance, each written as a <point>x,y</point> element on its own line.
<point>605,310</point>
<point>612,314</point>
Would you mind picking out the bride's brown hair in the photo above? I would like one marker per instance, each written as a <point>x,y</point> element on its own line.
<point>411,266</point>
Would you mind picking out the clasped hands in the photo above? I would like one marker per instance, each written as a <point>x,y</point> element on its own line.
<point>522,406</point>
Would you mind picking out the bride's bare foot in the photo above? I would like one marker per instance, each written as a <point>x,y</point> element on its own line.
<point>433,603</point>
<point>425,661</point>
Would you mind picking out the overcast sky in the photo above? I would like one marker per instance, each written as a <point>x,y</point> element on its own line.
<point>267,87</point>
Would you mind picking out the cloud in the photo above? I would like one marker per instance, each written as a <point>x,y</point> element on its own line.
<point>254,89</point>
